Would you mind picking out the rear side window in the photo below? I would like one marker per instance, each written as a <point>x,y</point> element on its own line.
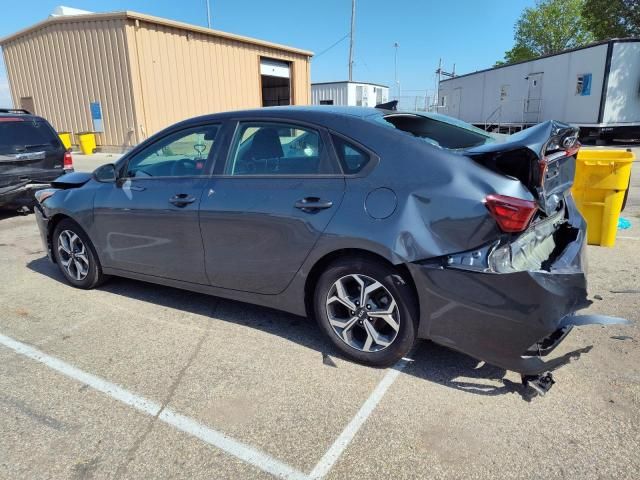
<point>18,135</point>
<point>267,148</point>
<point>352,158</point>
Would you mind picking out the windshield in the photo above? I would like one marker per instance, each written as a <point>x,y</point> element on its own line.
<point>18,135</point>
<point>439,130</point>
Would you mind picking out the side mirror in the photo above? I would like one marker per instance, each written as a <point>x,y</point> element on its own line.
<point>106,173</point>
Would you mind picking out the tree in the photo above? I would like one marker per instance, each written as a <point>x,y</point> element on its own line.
<point>612,18</point>
<point>549,27</point>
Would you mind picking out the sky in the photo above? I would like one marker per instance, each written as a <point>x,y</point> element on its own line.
<point>473,34</point>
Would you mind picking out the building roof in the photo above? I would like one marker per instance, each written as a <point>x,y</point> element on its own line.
<point>150,19</point>
<point>349,81</point>
<point>506,65</point>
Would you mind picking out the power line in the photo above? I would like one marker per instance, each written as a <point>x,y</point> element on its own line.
<point>332,45</point>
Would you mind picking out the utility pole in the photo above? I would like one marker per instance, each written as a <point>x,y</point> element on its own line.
<point>353,24</point>
<point>441,73</point>
<point>208,14</point>
<point>438,71</point>
<point>395,64</point>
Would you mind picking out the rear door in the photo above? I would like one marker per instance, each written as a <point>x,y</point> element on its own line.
<point>30,151</point>
<point>262,215</point>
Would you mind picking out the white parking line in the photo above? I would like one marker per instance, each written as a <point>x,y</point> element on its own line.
<point>342,442</point>
<point>217,439</point>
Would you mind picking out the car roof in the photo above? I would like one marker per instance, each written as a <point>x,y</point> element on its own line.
<point>313,113</point>
<point>18,113</point>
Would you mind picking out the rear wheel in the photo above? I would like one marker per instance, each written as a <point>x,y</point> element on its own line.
<point>75,255</point>
<point>367,309</point>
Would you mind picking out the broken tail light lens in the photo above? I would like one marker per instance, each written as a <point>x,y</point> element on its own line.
<point>512,214</point>
<point>67,162</point>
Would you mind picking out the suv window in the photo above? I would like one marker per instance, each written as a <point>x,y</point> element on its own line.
<point>18,135</point>
<point>352,158</point>
<point>181,154</point>
<point>278,149</point>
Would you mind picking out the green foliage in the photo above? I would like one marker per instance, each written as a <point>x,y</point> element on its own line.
<point>549,27</point>
<point>519,53</point>
<point>612,18</point>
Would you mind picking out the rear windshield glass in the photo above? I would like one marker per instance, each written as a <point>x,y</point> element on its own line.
<point>19,135</point>
<point>438,130</point>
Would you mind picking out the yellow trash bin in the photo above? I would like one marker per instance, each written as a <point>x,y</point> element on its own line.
<point>602,177</point>
<point>65,138</point>
<point>87,142</point>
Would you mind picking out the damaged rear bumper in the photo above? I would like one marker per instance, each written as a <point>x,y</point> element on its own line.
<point>512,319</point>
<point>20,195</point>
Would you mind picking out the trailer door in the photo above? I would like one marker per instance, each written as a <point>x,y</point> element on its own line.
<point>456,98</point>
<point>533,104</point>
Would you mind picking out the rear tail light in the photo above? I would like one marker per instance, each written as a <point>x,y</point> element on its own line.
<point>511,214</point>
<point>67,163</point>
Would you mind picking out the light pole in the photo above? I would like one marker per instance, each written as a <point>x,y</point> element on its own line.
<point>395,62</point>
<point>208,14</point>
<point>353,24</point>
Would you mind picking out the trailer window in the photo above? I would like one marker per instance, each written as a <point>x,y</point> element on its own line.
<point>583,85</point>
<point>439,130</point>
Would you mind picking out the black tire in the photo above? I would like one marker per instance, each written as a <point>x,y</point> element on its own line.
<point>394,283</point>
<point>93,276</point>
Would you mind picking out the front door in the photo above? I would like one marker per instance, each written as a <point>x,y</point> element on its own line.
<point>260,218</point>
<point>148,221</point>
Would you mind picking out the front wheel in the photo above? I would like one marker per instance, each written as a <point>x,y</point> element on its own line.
<point>368,311</point>
<point>75,255</point>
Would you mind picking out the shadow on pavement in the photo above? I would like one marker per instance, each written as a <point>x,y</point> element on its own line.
<point>11,212</point>
<point>432,362</point>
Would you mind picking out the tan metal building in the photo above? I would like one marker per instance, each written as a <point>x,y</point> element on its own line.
<point>128,75</point>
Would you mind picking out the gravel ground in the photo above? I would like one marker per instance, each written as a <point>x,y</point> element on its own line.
<point>262,378</point>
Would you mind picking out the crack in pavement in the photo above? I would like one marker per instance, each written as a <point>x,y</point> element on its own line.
<point>131,452</point>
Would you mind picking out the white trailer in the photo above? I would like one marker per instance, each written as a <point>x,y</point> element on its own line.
<point>360,94</point>
<point>596,87</point>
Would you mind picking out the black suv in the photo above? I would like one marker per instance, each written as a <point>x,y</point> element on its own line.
<point>31,156</point>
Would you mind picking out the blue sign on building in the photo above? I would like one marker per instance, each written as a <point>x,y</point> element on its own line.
<point>96,116</point>
<point>586,85</point>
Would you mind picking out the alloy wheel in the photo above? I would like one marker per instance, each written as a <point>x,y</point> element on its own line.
<point>363,313</point>
<point>73,255</point>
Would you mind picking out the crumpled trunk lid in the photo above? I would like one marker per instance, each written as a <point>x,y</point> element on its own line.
<point>541,157</point>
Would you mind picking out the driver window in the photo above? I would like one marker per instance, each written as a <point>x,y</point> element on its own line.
<point>181,154</point>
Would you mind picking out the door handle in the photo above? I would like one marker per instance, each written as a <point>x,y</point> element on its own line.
<point>312,204</point>
<point>182,199</point>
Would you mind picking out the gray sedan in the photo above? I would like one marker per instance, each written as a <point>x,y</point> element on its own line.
<point>385,226</point>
